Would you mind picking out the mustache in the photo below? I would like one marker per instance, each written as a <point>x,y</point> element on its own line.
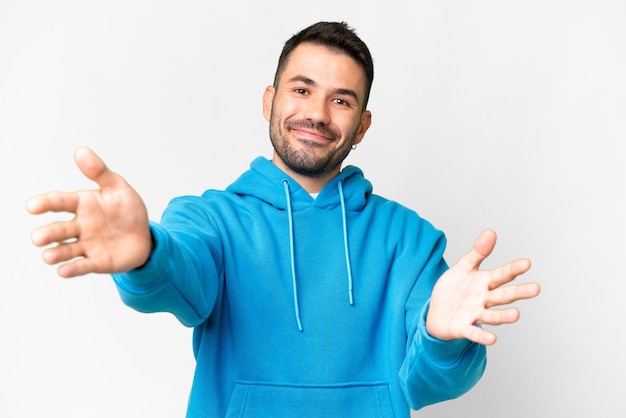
<point>320,128</point>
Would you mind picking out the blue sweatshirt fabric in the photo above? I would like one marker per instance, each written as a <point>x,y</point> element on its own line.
<point>303,307</point>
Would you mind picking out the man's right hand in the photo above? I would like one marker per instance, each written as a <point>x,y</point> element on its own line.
<point>109,232</point>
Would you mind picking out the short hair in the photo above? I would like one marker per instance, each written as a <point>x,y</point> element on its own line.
<point>337,36</point>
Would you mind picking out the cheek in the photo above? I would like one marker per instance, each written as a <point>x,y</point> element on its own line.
<point>285,107</point>
<point>349,126</point>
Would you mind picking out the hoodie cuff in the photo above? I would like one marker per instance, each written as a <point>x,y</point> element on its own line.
<point>445,353</point>
<point>153,273</point>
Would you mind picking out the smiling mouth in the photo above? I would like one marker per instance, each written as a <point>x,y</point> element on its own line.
<point>308,130</point>
<point>311,135</point>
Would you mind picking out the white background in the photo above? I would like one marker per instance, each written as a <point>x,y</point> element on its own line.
<point>502,114</point>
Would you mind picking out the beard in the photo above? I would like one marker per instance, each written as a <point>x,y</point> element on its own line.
<point>305,160</point>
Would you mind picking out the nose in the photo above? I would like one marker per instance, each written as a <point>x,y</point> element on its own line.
<point>317,110</point>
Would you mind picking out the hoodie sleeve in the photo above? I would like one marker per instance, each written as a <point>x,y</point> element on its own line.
<point>181,275</point>
<point>435,370</point>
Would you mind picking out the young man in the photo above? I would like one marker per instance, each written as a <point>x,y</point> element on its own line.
<point>310,296</point>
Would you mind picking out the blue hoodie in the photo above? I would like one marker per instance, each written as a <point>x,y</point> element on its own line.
<point>303,307</point>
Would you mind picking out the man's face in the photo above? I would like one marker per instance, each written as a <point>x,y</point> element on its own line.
<point>316,111</point>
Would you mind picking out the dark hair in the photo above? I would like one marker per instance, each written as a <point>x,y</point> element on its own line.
<point>338,37</point>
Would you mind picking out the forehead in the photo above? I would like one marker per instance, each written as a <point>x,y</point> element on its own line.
<point>326,67</point>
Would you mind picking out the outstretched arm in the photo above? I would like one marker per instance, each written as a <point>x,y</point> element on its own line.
<point>109,232</point>
<point>465,296</point>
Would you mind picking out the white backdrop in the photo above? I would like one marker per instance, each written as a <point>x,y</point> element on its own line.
<point>496,114</point>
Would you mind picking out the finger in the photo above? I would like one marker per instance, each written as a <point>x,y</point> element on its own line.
<point>55,232</point>
<point>79,267</point>
<point>95,169</point>
<point>52,202</point>
<point>499,316</point>
<point>507,272</point>
<point>63,252</point>
<point>479,335</point>
<point>509,294</point>
<point>71,269</point>
<point>483,246</point>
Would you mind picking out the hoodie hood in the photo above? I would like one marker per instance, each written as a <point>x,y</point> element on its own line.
<point>265,181</point>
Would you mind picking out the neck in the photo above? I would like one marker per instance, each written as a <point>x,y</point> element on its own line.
<point>308,183</point>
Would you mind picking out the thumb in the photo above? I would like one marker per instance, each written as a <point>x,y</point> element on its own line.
<point>483,246</point>
<point>94,168</point>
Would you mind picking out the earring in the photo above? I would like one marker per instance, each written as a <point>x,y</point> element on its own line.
<point>354,146</point>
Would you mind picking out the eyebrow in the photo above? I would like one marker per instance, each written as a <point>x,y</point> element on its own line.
<point>312,83</point>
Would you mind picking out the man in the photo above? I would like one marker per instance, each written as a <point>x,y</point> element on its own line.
<point>310,296</point>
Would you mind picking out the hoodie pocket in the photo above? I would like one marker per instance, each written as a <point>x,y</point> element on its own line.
<point>355,400</point>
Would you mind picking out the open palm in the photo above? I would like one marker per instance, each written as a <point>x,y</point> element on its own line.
<point>109,232</point>
<point>465,296</point>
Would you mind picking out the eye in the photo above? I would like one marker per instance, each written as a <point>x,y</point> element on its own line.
<point>341,102</point>
<point>300,91</point>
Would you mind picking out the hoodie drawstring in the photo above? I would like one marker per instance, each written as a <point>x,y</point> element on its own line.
<point>345,242</point>
<point>292,251</point>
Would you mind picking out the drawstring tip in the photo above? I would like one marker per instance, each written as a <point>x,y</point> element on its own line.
<point>299,323</point>
<point>351,297</point>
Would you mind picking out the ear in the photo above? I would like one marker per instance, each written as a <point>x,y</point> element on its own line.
<point>366,121</point>
<point>268,98</point>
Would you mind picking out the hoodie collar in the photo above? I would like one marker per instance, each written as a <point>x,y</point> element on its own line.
<point>264,181</point>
